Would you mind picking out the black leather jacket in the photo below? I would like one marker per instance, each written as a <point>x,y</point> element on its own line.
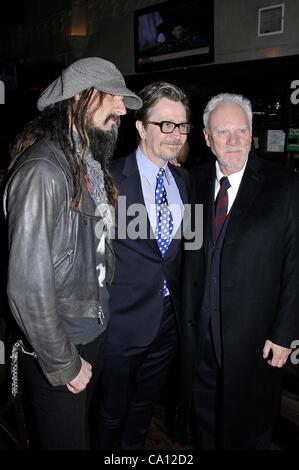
<point>52,257</point>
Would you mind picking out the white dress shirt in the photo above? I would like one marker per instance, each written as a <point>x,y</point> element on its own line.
<point>235,181</point>
<point>148,174</point>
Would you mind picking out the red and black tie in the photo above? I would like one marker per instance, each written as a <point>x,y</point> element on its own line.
<point>221,205</point>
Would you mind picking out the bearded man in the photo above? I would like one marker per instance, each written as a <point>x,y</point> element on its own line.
<point>58,206</point>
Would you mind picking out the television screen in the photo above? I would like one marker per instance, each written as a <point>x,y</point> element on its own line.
<point>176,33</point>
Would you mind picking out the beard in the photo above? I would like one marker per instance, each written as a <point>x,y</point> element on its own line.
<point>102,143</point>
<point>233,165</point>
<point>173,153</point>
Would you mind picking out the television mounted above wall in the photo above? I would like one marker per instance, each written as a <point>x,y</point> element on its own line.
<point>171,34</point>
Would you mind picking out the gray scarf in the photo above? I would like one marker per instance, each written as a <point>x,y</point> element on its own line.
<point>97,187</point>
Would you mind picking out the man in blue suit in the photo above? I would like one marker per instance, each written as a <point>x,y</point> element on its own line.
<point>144,296</point>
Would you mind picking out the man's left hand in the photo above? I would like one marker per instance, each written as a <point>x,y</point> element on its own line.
<point>279,354</point>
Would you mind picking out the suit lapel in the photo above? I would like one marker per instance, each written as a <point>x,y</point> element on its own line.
<point>179,182</point>
<point>131,186</point>
<point>209,214</point>
<point>251,183</point>
<point>205,195</point>
<point>176,173</point>
<point>131,183</point>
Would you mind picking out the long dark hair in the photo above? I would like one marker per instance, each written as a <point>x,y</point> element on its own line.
<point>54,123</point>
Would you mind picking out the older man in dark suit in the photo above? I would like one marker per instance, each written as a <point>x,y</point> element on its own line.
<point>241,289</point>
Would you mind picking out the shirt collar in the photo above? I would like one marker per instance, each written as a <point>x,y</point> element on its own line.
<point>234,178</point>
<point>149,169</point>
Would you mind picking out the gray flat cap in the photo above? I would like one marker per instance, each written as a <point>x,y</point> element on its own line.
<point>83,74</point>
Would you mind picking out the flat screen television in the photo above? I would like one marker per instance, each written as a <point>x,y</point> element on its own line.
<point>176,33</point>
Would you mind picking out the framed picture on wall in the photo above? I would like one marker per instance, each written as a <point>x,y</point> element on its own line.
<point>174,34</point>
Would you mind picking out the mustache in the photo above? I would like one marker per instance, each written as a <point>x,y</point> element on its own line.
<point>113,116</point>
<point>173,142</point>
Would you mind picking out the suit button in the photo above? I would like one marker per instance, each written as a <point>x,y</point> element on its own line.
<point>191,323</point>
<point>195,284</point>
<point>160,292</point>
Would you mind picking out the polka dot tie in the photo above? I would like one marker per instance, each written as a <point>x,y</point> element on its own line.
<point>164,219</point>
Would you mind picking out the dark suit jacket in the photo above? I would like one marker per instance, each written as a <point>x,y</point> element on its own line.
<point>136,294</point>
<point>259,293</point>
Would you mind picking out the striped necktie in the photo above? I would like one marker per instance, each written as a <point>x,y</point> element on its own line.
<point>221,205</point>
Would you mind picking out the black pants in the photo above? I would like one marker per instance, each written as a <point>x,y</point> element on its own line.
<point>56,417</point>
<point>207,407</point>
<point>206,424</point>
<point>132,380</point>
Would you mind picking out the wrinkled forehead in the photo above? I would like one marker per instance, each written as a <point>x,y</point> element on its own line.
<point>168,109</point>
<point>227,115</point>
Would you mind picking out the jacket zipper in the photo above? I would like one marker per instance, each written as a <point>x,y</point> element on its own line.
<point>67,254</point>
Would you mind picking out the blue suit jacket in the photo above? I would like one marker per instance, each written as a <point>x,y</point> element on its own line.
<point>136,294</point>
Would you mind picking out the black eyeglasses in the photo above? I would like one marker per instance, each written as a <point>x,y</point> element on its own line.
<point>167,127</point>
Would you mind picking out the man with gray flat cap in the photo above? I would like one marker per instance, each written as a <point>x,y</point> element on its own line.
<point>58,204</point>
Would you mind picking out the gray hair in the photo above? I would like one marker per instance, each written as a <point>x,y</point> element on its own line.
<point>227,98</point>
<point>154,92</point>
